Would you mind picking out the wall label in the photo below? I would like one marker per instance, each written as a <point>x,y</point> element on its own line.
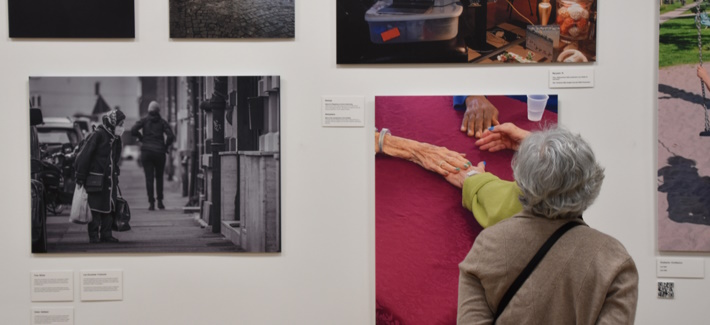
<point>343,111</point>
<point>680,268</point>
<point>53,316</point>
<point>52,286</point>
<point>101,285</point>
<point>572,78</point>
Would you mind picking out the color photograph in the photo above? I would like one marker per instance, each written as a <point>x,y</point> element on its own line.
<point>683,185</point>
<point>71,18</point>
<point>155,164</point>
<point>431,152</point>
<point>466,31</point>
<point>232,19</point>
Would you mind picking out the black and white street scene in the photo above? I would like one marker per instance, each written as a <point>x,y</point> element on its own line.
<point>232,19</point>
<point>71,18</point>
<point>155,164</point>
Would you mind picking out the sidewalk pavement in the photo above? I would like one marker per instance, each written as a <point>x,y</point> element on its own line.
<point>232,19</point>
<point>159,231</point>
<point>677,13</point>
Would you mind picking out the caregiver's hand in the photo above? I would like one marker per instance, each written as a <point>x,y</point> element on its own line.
<point>458,178</point>
<point>480,115</point>
<point>500,137</point>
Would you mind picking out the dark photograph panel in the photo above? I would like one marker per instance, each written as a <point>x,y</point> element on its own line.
<point>466,31</point>
<point>155,164</point>
<point>71,18</point>
<point>232,19</point>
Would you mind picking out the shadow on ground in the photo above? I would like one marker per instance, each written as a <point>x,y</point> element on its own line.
<point>688,192</point>
<point>674,92</point>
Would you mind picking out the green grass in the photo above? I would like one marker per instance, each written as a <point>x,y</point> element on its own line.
<point>670,7</point>
<point>678,42</point>
<point>703,8</point>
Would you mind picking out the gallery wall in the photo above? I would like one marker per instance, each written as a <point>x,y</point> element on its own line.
<point>326,273</point>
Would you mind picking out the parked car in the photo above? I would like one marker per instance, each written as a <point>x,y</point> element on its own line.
<point>58,138</point>
<point>55,132</point>
<point>84,124</point>
<point>39,211</point>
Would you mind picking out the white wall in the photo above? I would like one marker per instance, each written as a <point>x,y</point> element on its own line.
<point>326,273</point>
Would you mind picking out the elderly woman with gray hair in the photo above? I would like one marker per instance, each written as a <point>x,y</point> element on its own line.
<point>586,277</point>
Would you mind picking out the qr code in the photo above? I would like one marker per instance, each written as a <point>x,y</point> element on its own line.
<point>665,290</point>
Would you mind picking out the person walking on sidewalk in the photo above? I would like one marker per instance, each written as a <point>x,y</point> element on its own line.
<point>97,170</point>
<point>156,138</point>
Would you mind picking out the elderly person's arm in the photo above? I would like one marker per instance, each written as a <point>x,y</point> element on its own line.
<point>489,198</point>
<point>433,158</point>
<point>620,303</point>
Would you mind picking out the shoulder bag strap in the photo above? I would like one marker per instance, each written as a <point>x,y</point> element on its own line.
<point>531,266</point>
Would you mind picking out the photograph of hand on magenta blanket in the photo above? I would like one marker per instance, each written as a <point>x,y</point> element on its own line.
<point>422,230</point>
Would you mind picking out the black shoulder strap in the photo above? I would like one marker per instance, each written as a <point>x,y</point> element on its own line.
<point>531,266</point>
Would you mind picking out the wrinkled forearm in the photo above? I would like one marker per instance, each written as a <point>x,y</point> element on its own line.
<point>396,147</point>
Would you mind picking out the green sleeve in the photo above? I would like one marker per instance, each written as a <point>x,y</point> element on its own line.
<point>490,198</point>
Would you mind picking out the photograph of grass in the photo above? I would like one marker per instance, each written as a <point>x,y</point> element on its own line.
<point>683,127</point>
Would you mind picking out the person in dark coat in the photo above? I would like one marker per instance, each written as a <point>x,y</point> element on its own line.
<point>156,138</point>
<point>99,155</point>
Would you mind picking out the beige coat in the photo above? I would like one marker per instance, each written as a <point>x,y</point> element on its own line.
<point>586,278</point>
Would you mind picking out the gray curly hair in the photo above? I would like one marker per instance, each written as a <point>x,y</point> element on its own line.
<point>557,174</point>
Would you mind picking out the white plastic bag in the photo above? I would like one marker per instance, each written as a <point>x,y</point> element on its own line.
<point>80,211</point>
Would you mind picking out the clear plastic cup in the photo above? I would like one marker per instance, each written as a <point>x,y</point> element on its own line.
<point>536,106</point>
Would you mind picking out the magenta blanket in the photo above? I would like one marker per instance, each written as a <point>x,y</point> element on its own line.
<point>422,231</point>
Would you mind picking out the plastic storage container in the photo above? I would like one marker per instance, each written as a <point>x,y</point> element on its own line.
<point>438,22</point>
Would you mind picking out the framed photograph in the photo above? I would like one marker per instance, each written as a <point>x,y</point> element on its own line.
<point>467,31</point>
<point>71,18</point>
<point>422,229</point>
<point>232,19</point>
<point>683,185</point>
<point>155,164</point>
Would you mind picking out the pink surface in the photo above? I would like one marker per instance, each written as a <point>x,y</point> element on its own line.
<point>422,231</point>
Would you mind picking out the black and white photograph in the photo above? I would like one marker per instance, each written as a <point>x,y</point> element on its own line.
<point>232,19</point>
<point>71,18</point>
<point>155,164</point>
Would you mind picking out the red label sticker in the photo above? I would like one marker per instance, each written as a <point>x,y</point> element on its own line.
<point>390,34</point>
